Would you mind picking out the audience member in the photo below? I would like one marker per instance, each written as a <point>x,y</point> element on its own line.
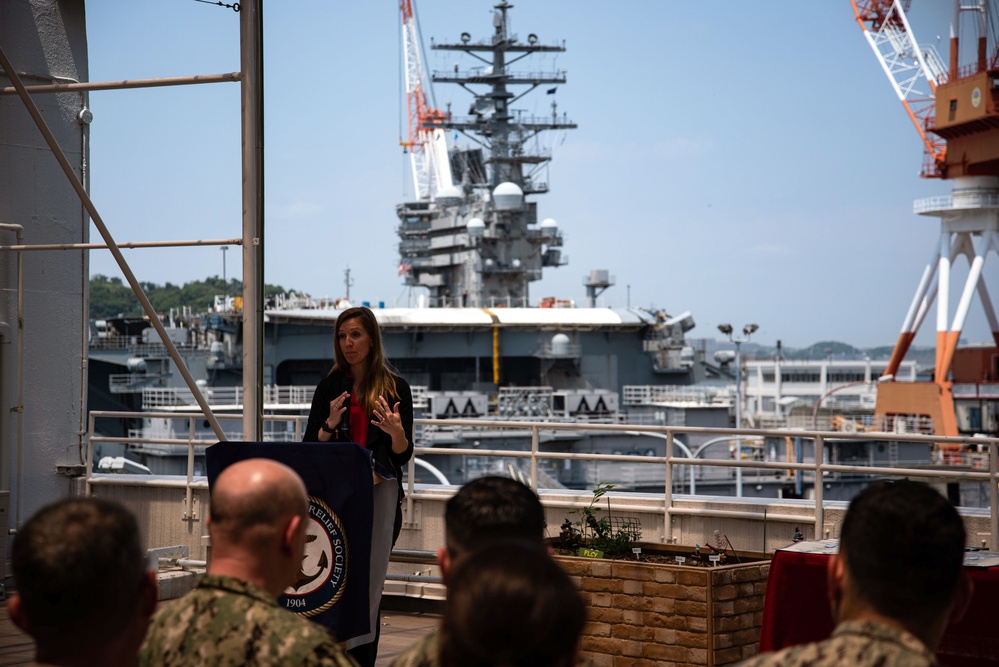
<point>490,509</point>
<point>485,511</point>
<point>895,584</point>
<point>257,526</point>
<point>510,604</point>
<point>83,591</point>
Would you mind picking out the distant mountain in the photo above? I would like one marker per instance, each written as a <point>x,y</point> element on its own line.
<point>923,356</point>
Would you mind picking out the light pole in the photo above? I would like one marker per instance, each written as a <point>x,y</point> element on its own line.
<point>858,383</point>
<point>225,284</point>
<point>747,331</point>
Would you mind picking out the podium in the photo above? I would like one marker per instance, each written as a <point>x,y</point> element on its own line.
<point>348,532</point>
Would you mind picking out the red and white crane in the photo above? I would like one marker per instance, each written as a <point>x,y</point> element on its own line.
<point>427,147</point>
<point>956,112</point>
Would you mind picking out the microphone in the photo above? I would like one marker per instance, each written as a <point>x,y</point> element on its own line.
<point>343,428</point>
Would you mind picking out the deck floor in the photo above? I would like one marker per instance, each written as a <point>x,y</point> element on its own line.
<point>399,630</point>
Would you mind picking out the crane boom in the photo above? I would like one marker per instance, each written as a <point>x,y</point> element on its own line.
<point>427,147</point>
<point>912,71</point>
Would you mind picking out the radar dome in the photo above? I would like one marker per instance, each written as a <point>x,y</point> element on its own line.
<point>560,345</point>
<point>450,195</point>
<point>508,196</point>
<point>549,223</point>
<point>475,227</point>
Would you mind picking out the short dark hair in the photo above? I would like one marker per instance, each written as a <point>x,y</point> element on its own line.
<point>510,604</point>
<point>492,508</point>
<point>78,568</point>
<point>903,544</point>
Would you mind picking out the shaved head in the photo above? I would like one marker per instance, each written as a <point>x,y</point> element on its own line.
<point>251,498</point>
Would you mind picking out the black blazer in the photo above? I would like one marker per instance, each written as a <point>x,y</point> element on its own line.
<point>379,442</point>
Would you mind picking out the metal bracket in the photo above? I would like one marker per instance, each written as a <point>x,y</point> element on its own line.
<point>192,513</point>
<point>155,555</point>
<point>71,469</point>
<point>412,522</point>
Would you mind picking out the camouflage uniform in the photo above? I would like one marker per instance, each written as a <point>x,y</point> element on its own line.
<point>226,621</point>
<point>854,643</point>
<point>424,653</point>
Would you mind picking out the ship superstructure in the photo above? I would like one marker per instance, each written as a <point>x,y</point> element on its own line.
<point>476,240</point>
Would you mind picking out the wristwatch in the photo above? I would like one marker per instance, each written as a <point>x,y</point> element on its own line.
<point>324,426</point>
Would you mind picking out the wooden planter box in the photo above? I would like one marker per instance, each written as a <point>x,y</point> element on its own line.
<point>665,614</point>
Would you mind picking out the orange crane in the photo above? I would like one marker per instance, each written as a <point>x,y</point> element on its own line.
<point>912,72</point>
<point>427,147</point>
<point>955,109</point>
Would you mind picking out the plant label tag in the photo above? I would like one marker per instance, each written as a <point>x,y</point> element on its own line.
<point>638,552</point>
<point>714,558</point>
<point>680,560</point>
<point>589,553</point>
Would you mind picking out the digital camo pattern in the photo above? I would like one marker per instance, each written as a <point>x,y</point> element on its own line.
<point>226,621</point>
<point>424,653</point>
<point>854,643</point>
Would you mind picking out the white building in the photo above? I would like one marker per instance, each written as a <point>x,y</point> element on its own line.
<point>772,387</point>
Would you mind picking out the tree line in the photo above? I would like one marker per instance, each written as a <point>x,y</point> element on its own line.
<point>112,297</point>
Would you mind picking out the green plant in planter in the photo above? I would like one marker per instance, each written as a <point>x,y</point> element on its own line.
<point>603,536</point>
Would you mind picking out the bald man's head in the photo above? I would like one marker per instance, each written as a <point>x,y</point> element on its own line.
<point>253,498</point>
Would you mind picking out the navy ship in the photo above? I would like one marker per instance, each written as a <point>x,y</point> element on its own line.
<point>474,343</point>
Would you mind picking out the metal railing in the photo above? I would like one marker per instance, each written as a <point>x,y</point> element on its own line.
<point>985,469</point>
<point>953,202</point>
<point>291,396</point>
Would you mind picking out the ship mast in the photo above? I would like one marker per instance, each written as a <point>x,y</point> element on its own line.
<point>478,242</point>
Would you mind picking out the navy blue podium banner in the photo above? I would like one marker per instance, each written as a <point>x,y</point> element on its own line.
<point>332,586</point>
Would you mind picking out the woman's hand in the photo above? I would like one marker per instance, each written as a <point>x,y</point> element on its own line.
<point>337,407</point>
<point>388,419</point>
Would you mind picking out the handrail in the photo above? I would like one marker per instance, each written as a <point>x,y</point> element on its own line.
<point>534,454</point>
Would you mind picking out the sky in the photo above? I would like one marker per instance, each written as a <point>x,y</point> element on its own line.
<point>745,162</point>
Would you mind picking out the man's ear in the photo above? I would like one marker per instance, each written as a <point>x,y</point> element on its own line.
<point>962,597</point>
<point>444,560</point>
<point>835,581</point>
<point>150,594</point>
<point>16,612</point>
<point>290,532</point>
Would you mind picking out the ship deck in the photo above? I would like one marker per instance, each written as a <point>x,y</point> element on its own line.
<point>399,630</point>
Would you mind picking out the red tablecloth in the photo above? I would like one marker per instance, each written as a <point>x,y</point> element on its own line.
<point>796,611</point>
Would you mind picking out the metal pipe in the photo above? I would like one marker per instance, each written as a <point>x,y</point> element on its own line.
<point>668,492</point>
<point>994,495</point>
<point>112,246</point>
<point>738,414</point>
<point>84,118</point>
<point>88,477</point>
<point>410,481</point>
<point>251,56</point>
<point>126,83</point>
<point>414,578</point>
<point>534,458</point>
<point>18,410</point>
<point>406,555</point>
<point>132,244</point>
<point>818,487</point>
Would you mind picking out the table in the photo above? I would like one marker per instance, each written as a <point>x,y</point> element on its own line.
<point>796,607</point>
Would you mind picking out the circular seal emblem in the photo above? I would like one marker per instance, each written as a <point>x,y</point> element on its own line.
<point>976,97</point>
<point>321,578</point>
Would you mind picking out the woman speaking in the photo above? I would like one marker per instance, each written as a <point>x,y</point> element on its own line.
<point>362,400</point>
